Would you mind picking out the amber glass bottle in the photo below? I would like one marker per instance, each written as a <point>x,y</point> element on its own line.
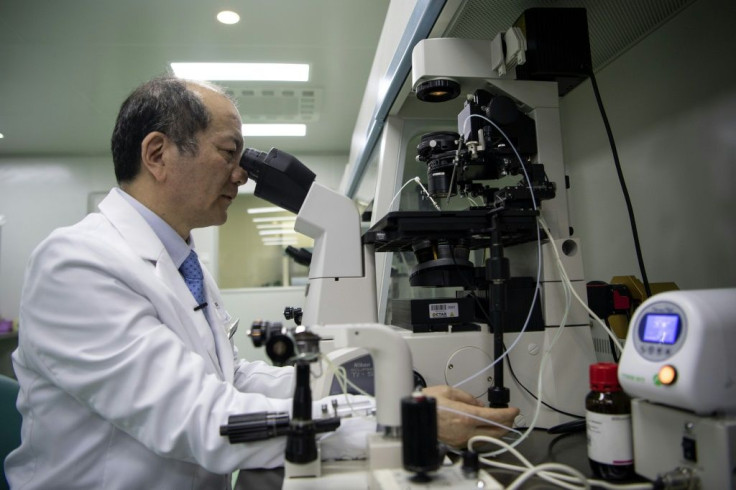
<point>608,424</point>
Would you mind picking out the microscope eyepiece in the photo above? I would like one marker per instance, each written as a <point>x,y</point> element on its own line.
<point>280,178</point>
<point>252,162</point>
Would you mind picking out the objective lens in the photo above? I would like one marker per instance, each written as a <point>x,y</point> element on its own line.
<point>438,150</point>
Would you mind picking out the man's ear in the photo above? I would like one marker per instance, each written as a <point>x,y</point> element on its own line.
<point>153,154</point>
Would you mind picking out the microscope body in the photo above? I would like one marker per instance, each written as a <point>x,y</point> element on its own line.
<point>487,268</point>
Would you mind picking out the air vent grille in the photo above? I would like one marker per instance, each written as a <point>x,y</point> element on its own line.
<point>277,105</point>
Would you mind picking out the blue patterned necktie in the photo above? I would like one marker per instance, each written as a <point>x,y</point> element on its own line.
<point>192,273</point>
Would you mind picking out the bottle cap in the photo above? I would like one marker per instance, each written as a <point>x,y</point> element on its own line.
<point>604,377</point>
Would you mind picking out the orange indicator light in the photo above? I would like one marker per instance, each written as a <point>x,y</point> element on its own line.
<point>667,375</point>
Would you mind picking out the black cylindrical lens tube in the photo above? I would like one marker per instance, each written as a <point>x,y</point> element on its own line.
<point>420,451</point>
<point>252,161</point>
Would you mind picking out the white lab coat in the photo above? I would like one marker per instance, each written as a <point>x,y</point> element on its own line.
<point>118,386</point>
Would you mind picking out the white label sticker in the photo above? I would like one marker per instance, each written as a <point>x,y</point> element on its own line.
<point>609,438</point>
<point>444,310</point>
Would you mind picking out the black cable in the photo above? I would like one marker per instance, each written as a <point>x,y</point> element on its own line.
<point>611,343</point>
<point>566,429</point>
<point>625,191</point>
<point>513,375</point>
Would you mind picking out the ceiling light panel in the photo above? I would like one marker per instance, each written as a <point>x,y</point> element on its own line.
<point>224,72</point>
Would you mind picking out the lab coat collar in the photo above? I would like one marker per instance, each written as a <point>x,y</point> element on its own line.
<point>131,226</point>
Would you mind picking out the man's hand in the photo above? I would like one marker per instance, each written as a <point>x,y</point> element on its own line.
<point>455,429</point>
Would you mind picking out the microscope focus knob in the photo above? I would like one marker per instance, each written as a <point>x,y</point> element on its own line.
<point>293,313</point>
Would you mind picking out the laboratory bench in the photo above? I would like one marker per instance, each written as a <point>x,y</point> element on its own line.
<point>540,447</point>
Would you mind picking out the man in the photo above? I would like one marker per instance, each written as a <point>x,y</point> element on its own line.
<point>125,375</point>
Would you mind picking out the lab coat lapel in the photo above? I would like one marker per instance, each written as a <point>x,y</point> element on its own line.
<point>220,319</point>
<point>192,325</point>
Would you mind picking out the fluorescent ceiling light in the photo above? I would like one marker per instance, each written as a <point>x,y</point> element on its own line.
<point>272,244</point>
<point>274,129</point>
<point>276,232</point>
<point>273,209</point>
<point>277,238</point>
<point>274,218</point>
<point>2,136</point>
<point>280,72</point>
<point>276,226</point>
<point>228,17</point>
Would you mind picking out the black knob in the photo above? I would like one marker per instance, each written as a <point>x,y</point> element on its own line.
<point>293,313</point>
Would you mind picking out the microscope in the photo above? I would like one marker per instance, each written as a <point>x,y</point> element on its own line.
<point>511,299</point>
<point>341,266</point>
<point>507,298</point>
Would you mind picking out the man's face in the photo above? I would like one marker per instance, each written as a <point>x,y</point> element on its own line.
<point>206,183</point>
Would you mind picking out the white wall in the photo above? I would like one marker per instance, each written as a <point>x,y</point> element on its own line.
<point>671,101</point>
<point>38,195</point>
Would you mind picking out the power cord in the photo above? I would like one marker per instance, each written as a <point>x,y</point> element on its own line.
<point>557,474</point>
<point>624,189</point>
<point>513,375</point>
<point>566,280</point>
<point>419,183</point>
<point>614,354</point>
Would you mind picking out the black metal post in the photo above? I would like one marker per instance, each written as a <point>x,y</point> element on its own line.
<point>497,270</point>
<point>301,444</point>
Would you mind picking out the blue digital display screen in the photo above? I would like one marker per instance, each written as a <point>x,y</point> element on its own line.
<point>660,328</point>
